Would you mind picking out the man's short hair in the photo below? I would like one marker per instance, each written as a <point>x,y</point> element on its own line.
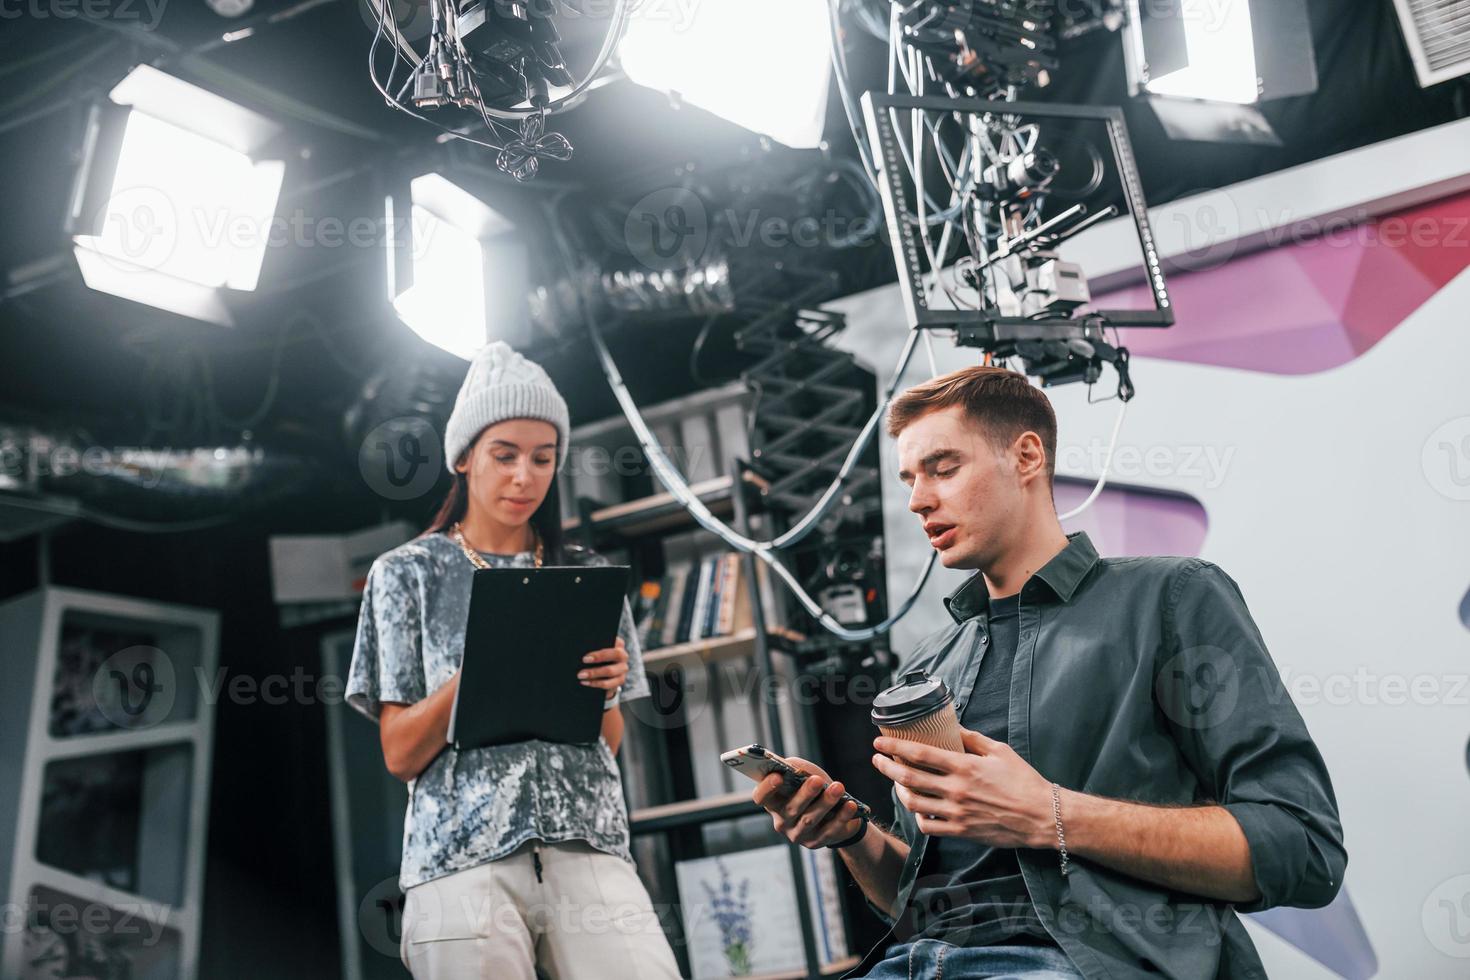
<point>1001,403</point>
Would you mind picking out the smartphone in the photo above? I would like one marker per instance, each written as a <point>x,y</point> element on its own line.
<point>758,762</point>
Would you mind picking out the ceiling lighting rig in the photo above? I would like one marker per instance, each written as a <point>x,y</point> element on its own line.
<point>499,60</point>
<point>980,189</point>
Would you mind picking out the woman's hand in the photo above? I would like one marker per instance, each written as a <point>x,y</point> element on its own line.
<point>611,670</point>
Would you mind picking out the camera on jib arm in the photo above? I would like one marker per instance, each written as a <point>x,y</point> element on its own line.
<point>1024,277</point>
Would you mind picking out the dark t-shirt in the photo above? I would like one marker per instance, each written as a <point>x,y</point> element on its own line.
<point>968,893</point>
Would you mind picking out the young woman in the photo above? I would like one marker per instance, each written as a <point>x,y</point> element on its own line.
<point>514,856</point>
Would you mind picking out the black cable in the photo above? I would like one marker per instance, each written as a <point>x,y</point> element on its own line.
<point>39,56</point>
<point>72,67</point>
<point>839,70</point>
<point>522,156</point>
<point>694,351</point>
<point>122,523</point>
<point>849,173</point>
<point>869,20</point>
<point>373,76</point>
<point>267,400</point>
<point>568,101</point>
<point>574,97</point>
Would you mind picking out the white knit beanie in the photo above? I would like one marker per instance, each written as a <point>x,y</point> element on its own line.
<point>500,385</point>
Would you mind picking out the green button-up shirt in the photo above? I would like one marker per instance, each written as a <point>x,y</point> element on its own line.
<point>1146,679</point>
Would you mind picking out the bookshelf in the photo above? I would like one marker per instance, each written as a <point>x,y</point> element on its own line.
<point>367,831</point>
<point>683,803</point>
<point>657,512</point>
<point>684,813</point>
<point>736,645</point>
<point>104,783</point>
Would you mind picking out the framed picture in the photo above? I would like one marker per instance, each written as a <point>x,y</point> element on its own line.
<point>740,914</point>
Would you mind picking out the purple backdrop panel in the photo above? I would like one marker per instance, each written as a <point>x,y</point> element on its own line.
<point>1133,521</point>
<point>1332,935</point>
<point>1308,304</point>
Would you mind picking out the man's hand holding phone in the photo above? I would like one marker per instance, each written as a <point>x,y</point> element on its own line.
<point>814,815</point>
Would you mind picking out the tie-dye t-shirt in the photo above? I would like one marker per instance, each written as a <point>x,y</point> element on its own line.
<point>477,805</point>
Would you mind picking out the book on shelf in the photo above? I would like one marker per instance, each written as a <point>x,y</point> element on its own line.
<point>652,631</point>
<point>703,597</point>
<point>690,576</point>
<point>646,609</point>
<point>730,584</point>
<point>674,583</point>
<point>720,592</point>
<point>701,601</point>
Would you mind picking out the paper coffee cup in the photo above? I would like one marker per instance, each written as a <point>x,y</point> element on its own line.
<point>919,708</point>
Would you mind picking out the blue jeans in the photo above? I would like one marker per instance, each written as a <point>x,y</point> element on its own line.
<point>931,959</point>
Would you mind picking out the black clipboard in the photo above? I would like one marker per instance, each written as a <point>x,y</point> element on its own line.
<point>527,632</point>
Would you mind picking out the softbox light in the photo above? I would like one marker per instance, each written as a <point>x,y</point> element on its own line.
<point>173,204</point>
<point>1203,65</point>
<point>458,272</point>
<point>762,64</point>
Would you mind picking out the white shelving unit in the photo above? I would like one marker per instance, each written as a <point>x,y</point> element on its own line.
<point>104,781</point>
<point>367,832</point>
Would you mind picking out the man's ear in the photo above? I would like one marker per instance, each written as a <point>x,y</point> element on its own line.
<point>1030,456</point>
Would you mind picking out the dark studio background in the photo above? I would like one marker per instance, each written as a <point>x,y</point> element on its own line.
<point>121,374</point>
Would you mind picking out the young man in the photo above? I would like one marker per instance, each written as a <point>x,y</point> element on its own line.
<point>1134,773</point>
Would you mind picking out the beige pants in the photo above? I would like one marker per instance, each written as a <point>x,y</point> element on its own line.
<point>585,915</point>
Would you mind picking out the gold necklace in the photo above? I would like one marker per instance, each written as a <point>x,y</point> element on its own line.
<point>478,561</point>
